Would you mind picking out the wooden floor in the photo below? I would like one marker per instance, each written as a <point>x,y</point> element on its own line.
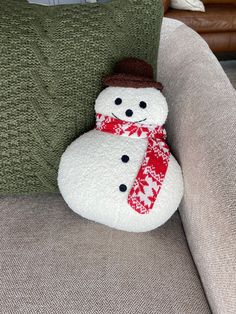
<point>230,70</point>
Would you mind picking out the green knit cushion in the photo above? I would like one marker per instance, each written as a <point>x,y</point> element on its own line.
<point>51,63</point>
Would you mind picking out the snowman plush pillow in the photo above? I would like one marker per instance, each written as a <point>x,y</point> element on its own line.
<point>122,173</point>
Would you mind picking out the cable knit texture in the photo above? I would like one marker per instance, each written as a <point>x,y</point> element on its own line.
<point>51,62</point>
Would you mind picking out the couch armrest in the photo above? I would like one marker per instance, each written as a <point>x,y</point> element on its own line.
<point>202,134</point>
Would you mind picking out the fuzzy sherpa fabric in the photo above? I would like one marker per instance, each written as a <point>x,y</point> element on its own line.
<point>52,61</point>
<point>98,170</point>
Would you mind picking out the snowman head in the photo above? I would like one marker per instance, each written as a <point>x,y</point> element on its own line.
<point>140,105</point>
<point>132,94</point>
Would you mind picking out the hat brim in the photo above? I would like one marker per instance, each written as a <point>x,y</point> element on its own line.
<point>131,81</point>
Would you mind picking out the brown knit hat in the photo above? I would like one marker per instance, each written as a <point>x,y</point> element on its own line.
<point>132,72</point>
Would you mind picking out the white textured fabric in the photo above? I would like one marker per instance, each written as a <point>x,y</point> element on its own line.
<point>58,2</point>
<point>91,170</point>
<point>191,5</point>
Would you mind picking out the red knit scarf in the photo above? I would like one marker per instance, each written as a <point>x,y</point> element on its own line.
<point>150,177</point>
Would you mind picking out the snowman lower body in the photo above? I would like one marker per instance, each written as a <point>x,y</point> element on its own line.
<point>97,172</point>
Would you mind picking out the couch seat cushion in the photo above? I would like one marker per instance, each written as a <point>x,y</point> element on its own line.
<point>53,261</point>
<point>217,18</point>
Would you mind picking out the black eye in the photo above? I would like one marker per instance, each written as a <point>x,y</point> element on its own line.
<point>142,105</point>
<point>118,101</point>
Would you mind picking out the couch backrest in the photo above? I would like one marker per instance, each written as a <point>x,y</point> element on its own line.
<point>166,4</point>
<point>218,1</point>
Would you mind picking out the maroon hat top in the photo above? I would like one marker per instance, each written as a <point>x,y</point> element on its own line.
<point>132,72</point>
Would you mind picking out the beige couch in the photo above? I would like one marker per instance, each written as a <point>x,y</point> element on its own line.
<point>53,261</point>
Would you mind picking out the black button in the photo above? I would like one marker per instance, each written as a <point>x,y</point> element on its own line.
<point>123,188</point>
<point>143,105</point>
<point>118,101</point>
<point>129,113</point>
<point>125,158</point>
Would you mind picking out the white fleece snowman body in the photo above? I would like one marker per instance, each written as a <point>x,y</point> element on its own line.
<point>98,169</point>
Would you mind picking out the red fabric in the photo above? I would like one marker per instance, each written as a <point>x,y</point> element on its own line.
<point>150,177</point>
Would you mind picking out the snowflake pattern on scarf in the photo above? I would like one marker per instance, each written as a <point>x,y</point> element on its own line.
<point>151,175</point>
